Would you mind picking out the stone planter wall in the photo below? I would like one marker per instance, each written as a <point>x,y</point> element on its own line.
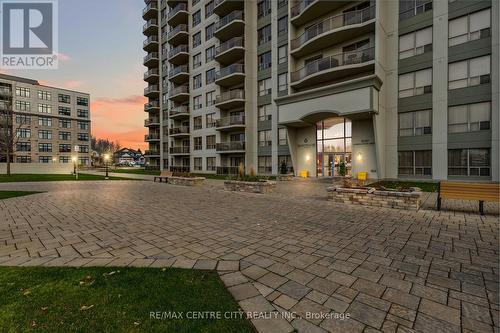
<point>285,177</point>
<point>389,199</point>
<point>185,181</point>
<point>251,187</point>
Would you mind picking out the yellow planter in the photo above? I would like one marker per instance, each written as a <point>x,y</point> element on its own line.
<point>304,173</point>
<point>362,175</point>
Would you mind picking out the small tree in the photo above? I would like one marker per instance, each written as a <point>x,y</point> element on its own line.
<point>342,169</point>
<point>241,171</point>
<point>8,132</point>
<point>283,168</point>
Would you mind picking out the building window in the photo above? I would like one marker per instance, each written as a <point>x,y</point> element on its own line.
<point>209,9</point>
<point>415,43</point>
<point>469,162</point>
<point>64,111</point>
<point>264,60</point>
<point>209,32</point>
<point>197,124</point>
<point>469,117</point>
<point>265,138</point>
<point>283,25</point>
<point>82,101</point>
<point>197,81</point>
<point>23,133</point>
<point>198,163</point>
<point>415,83</point>
<point>194,2</point>
<point>66,136</point>
<point>82,125</point>
<point>210,75</point>
<point>468,73</point>
<point>197,39</point>
<point>44,108</point>
<point>287,160</point>
<point>23,106</point>
<point>283,54</point>
<point>283,82</point>
<point>83,149</point>
<point>83,160</point>
<point>23,146</point>
<point>265,164</point>
<point>64,98</point>
<point>83,137</point>
<point>44,159</point>
<point>415,123</point>
<point>196,17</point>
<point>210,142</point>
<point>45,147</point>
<point>82,113</point>
<point>264,35</point>
<point>64,123</point>
<point>23,92</point>
<point>198,145</point>
<point>265,87</point>
<point>210,163</point>
<point>45,135</point>
<point>197,60</point>
<point>44,121</point>
<point>282,137</point>
<point>44,95</point>
<point>197,102</point>
<point>409,8</point>
<point>210,98</point>
<point>210,120</point>
<point>417,162</point>
<point>210,54</point>
<point>263,8</point>
<point>469,27</point>
<point>65,148</point>
<point>23,159</point>
<point>64,159</point>
<point>265,112</point>
<point>23,119</point>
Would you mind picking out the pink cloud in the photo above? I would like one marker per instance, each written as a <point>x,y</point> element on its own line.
<point>63,57</point>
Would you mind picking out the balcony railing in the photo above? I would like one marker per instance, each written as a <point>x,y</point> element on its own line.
<point>230,95</point>
<point>5,92</point>
<point>152,55</point>
<point>150,6</point>
<point>150,121</point>
<point>150,39</point>
<point>230,121</point>
<point>299,8</point>
<point>176,50</point>
<point>180,7</point>
<point>179,168</point>
<point>233,42</point>
<point>178,69</point>
<point>154,136</point>
<point>151,105</point>
<point>227,170</point>
<point>229,70</point>
<point>152,88</point>
<point>151,152</point>
<point>179,130</point>
<point>149,23</point>
<point>341,59</point>
<point>176,30</point>
<point>179,150</point>
<point>153,71</point>
<point>233,16</point>
<point>334,22</point>
<point>230,146</point>
<point>179,90</point>
<point>415,7</point>
<point>178,110</point>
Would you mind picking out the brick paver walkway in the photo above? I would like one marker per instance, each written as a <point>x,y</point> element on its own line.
<point>391,271</point>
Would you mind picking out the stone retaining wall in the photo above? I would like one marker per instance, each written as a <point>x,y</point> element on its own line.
<point>251,187</point>
<point>285,177</point>
<point>186,181</point>
<point>389,199</point>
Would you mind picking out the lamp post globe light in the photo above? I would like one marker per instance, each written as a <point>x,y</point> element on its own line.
<point>106,159</point>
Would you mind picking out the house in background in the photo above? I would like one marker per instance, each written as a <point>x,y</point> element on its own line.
<point>127,156</point>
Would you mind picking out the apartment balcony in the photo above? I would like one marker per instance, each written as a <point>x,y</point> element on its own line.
<point>230,99</point>
<point>179,112</point>
<point>151,153</point>
<point>152,75</point>
<point>152,137</point>
<point>181,150</point>
<point>230,51</point>
<point>230,123</point>
<point>179,94</point>
<point>178,35</point>
<point>233,24</point>
<point>150,27</point>
<point>230,147</point>
<point>227,170</point>
<point>152,122</point>
<point>150,11</point>
<point>151,106</point>
<point>307,10</point>
<point>177,15</point>
<point>179,168</point>
<point>151,44</point>
<point>179,131</point>
<point>224,7</point>
<point>334,30</point>
<point>179,55</point>
<point>230,75</point>
<point>334,68</point>
<point>5,92</point>
<point>152,91</point>
<point>179,74</point>
<point>151,60</point>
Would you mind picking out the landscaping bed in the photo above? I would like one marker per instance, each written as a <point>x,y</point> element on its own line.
<point>49,178</point>
<point>111,299</point>
<point>258,186</point>
<point>13,194</point>
<point>185,179</point>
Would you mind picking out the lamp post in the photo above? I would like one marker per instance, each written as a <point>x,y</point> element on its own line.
<point>106,159</point>
<point>75,166</point>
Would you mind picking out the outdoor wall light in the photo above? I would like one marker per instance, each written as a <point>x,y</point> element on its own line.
<point>359,157</point>
<point>308,157</point>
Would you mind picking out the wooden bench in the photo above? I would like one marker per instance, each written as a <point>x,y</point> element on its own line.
<point>468,191</point>
<point>163,175</point>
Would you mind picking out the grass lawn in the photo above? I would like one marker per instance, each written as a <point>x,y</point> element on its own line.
<point>136,171</point>
<point>13,194</point>
<point>425,186</point>
<point>48,178</point>
<point>91,299</point>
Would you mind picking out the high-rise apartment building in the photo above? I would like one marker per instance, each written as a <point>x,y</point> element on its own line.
<point>398,89</point>
<point>49,123</point>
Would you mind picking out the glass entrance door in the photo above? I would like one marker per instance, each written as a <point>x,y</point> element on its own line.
<point>331,162</point>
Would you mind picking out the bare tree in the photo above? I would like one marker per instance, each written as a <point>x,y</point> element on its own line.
<point>8,127</point>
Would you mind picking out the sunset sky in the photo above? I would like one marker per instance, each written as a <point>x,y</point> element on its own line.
<point>100,45</point>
